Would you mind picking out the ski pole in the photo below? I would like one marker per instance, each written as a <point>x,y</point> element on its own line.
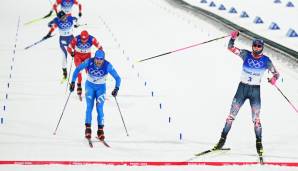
<point>39,19</point>
<point>121,116</point>
<point>43,39</point>
<point>62,113</point>
<point>180,49</point>
<point>286,98</point>
<point>79,25</point>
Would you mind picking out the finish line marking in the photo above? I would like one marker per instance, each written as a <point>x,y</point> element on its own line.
<point>142,163</point>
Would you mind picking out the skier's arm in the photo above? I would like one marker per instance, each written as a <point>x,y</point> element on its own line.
<point>240,52</point>
<point>53,27</point>
<point>273,70</point>
<point>75,20</point>
<point>115,75</point>
<point>71,46</point>
<point>80,7</point>
<point>96,44</point>
<point>78,69</point>
<point>51,23</point>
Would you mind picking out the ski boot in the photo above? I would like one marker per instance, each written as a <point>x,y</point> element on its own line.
<point>220,144</point>
<point>64,73</point>
<point>64,76</point>
<point>259,147</point>
<point>79,91</point>
<point>100,133</point>
<point>260,150</point>
<point>88,131</point>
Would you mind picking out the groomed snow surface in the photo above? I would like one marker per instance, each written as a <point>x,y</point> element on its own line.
<point>193,88</point>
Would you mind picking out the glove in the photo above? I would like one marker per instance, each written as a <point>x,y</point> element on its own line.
<point>272,80</point>
<point>71,86</point>
<point>234,34</point>
<point>80,14</point>
<point>47,36</point>
<point>115,91</point>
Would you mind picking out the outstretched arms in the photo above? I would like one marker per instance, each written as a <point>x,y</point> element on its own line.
<point>114,74</point>
<point>78,69</point>
<point>235,50</point>
<point>96,44</point>
<point>231,46</point>
<point>274,72</point>
<point>80,7</point>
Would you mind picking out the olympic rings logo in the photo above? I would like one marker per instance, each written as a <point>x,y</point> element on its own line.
<point>84,46</point>
<point>96,73</point>
<point>65,25</point>
<point>255,64</point>
<point>67,4</point>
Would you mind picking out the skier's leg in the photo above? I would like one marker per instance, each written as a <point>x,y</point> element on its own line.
<point>85,57</point>
<point>100,99</point>
<point>237,102</point>
<point>63,43</point>
<point>255,103</point>
<point>90,97</point>
<point>99,108</point>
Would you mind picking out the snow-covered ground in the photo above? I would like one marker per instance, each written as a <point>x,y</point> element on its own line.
<point>267,10</point>
<point>194,88</point>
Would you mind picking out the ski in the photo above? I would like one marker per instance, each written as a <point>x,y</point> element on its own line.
<point>39,19</point>
<point>104,142</point>
<point>79,25</point>
<point>211,150</point>
<point>90,142</point>
<point>205,152</point>
<point>41,40</point>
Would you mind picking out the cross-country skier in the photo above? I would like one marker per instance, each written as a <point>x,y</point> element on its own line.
<point>66,6</point>
<point>95,86</point>
<point>255,63</point>
<point>65,24</point>
<point>80,49</point>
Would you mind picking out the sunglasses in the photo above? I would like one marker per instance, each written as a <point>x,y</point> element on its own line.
<point>257,45</point>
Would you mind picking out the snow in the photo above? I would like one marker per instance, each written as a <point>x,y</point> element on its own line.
<point>267,10</point>
<point>194,87</point>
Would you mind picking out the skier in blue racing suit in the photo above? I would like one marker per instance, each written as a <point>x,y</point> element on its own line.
<point>95,88</point>
<point>65,24</point>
